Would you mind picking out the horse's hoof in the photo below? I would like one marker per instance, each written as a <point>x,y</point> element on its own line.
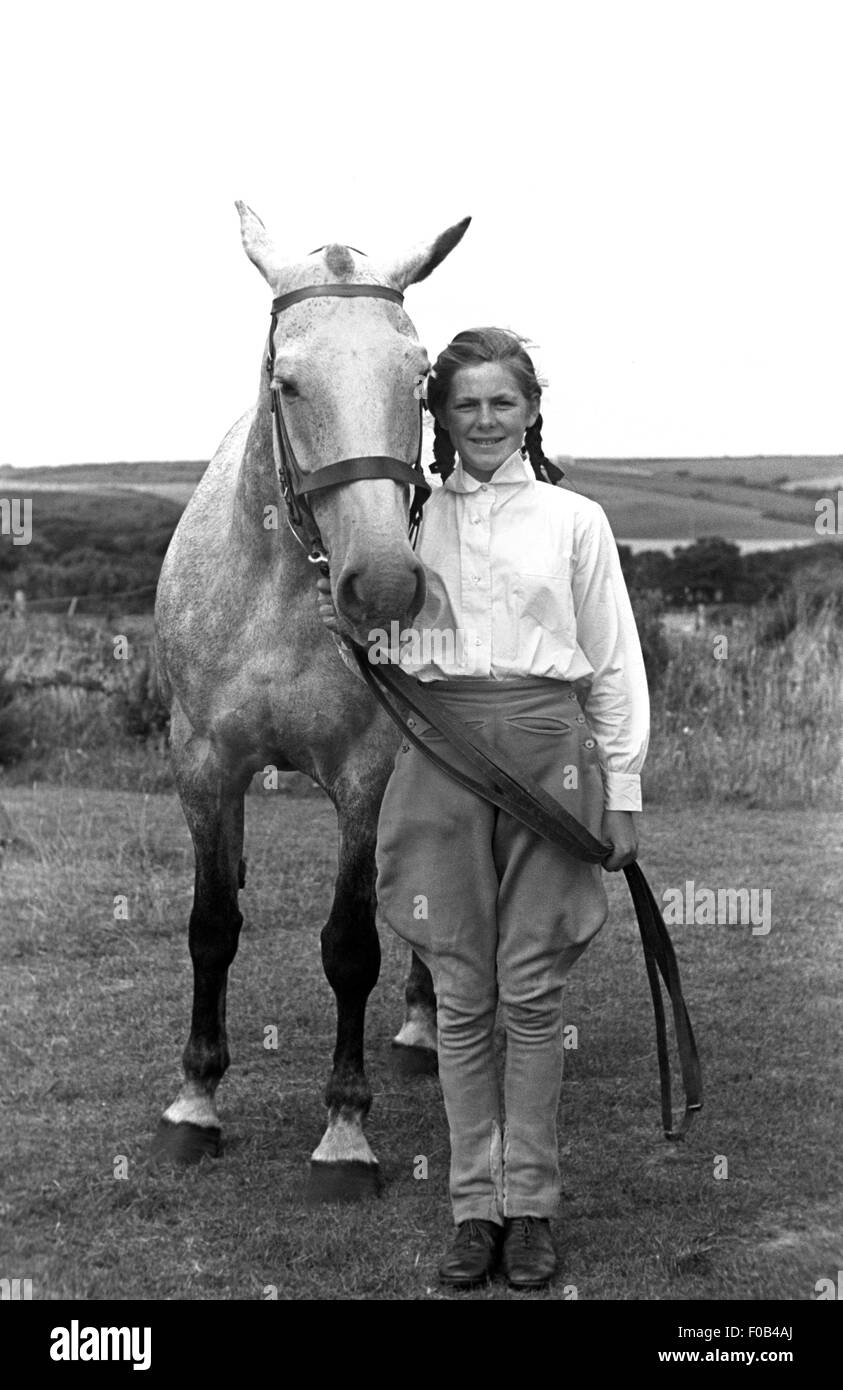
<point>415,1061</point>
<point>185,1143</point>
<point>348,1181</point>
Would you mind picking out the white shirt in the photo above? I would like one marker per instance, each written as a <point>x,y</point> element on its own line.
<point>523,579</point>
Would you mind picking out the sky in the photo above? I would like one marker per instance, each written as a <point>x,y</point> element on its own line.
<point>656,192</point>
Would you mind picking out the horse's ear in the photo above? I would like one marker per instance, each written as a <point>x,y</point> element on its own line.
<point>259,246</point>
<point>416,264</point>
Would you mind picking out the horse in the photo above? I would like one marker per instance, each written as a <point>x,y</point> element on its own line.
<point>254,678</point>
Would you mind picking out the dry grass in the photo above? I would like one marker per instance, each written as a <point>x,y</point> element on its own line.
<point>759,725</point>
<point>81,716</point>
<point>752,722</point>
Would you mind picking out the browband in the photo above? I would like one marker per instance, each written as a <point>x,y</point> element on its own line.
<point>336,292</point>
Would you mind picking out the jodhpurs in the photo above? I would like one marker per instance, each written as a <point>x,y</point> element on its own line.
<point>499,915</point>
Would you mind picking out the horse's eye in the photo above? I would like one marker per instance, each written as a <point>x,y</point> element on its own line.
<point>288,389</point>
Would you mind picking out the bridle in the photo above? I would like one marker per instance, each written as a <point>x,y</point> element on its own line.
<point>296,484</point>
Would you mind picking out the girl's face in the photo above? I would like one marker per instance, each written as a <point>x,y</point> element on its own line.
<point>486,416</point>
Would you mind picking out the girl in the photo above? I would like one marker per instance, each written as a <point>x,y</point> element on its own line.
<point>526,611</point>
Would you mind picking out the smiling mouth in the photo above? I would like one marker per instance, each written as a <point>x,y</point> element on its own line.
<point>486,443</point>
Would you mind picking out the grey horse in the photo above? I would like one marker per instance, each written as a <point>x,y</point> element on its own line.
<point>253,677</point>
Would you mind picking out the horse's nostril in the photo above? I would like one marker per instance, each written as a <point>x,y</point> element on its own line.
<point>378,593</point>
<point>349,601</point>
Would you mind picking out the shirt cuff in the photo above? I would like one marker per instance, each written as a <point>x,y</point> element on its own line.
<point>622,791</point>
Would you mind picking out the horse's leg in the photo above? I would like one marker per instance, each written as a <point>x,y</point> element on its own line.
<point>415,1044</point>
<point>213,807</point>
<point>343,1167</point>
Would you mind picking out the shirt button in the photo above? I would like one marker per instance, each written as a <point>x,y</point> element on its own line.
<point>411,723</point>
<point>405,747</point>
<point>589,743</point>
<point>477,641</point>
<point>475,520</point>
<point>484,487</point>
<point>572,695</point>
<point>580,719</point>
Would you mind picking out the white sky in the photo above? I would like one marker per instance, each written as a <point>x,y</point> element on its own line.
<point>656,188</point>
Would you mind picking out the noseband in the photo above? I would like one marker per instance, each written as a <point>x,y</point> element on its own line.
<point>295,484</point>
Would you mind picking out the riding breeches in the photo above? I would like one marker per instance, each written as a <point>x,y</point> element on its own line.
<point>499,915</point>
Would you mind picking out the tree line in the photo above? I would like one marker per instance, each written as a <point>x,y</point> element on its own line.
<point>106,544</point>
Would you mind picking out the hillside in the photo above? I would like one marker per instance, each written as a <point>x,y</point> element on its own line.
<point>109,540</point>
<point>694,499</point>
<point>681,499</point>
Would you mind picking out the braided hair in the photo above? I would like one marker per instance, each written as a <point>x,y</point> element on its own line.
<point>468,349</point>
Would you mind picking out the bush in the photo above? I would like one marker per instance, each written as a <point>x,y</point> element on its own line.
<point>90,720</point>
<point>748,720</point>
<point>145,714</point>
<point>13,725</point>
<point>648,606</point>
<point>813,594</point>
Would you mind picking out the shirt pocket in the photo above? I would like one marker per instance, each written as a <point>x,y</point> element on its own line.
<point>546,602</point>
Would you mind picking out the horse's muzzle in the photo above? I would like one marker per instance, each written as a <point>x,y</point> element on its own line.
<point>370,595</point>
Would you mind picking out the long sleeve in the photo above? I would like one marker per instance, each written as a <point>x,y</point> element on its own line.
<point>618,705</point>
<point>528,575</point>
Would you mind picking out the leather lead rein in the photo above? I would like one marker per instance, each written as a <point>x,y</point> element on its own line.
<point>527,801</point>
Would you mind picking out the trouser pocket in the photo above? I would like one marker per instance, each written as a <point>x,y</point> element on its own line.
<point>548,724</point>
<point>430,734</point>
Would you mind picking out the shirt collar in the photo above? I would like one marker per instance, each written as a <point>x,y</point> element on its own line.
<point>516,469</point>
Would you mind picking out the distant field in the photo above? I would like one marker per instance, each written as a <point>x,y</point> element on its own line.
<point>111,519</point>
<point>756,469</point>
<point>825,482</point>
<point>172,492</point>
<point>668,504</point>
<point>682,499</point>
<point>110,474</point>
<point>180,493</point>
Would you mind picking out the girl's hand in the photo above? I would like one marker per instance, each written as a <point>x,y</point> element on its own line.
<point>620,830</point>
<point>325,604</point>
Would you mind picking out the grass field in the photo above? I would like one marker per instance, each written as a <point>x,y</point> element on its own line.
<point>757,469</point>
<point>94,1015</point>
<point>673,504</point>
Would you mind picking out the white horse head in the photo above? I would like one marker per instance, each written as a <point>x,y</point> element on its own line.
<point>349,373</point>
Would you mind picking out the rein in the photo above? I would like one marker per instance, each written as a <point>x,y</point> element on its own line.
<point>528,802</point>
<point>296,485</point>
